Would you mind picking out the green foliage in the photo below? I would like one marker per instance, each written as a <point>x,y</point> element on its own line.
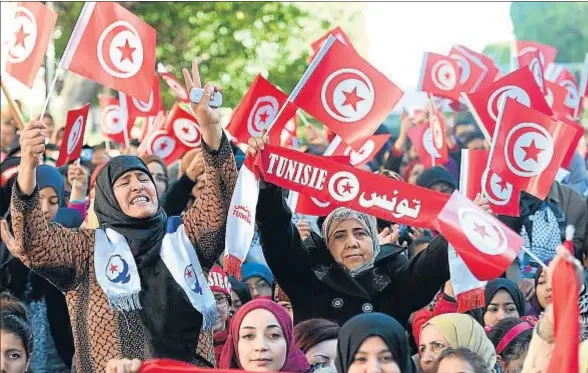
<point>499,52</point>
<point>233,40</point>
<point>563,25</point>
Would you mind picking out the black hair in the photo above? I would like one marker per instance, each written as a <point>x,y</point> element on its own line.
<point>518,346</point>
<point>311,332</point>
<point>468,356</point>
<point>14,320</point>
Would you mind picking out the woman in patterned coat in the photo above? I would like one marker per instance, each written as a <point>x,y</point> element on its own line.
<point>136,286</point>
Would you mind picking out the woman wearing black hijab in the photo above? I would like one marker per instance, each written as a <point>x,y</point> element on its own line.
<point>136,286</point>
<point>503,299</point>
<point>374,340</point>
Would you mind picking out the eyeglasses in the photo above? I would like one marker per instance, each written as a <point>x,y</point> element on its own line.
<point>221,301</point>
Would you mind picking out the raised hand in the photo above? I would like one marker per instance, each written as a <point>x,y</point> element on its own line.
<point>32,145</point>
<point>7,237</point>
<point>256,144</point>
<point>208,118</point>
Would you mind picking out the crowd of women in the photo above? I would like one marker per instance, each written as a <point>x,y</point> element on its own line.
<point>114,261</point>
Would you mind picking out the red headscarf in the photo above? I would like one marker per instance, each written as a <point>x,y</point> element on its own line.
<point>295,359</point>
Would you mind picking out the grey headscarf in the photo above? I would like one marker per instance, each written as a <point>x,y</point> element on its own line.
<point>341,214</point>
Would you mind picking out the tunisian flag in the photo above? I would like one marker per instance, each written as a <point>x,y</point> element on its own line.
<point>163,144</point>
<point>486,245</point>
<point>184,126</point>
<point>31,32</point>
<point>475,178</point>
<point>73,136</point>
<point>486,103</point>
<point>533,61</point>
<point>137,108</point>
<point>566,80</point>
<point>556,97</point>
<point>472,70</point>
<point>113,47</point>
<point>176,87</point>
<point>421,137</point>
<point>257,111</point>
<point>566,316</point>
<point>336,32</point>
<point>346,93</point>
<point>529,147</point>
<point>113,121</point>
<point>367,149</point>
<point>583,87</point>
<point>546,53</point>
<point>439,76</point>
<point>438,130</point>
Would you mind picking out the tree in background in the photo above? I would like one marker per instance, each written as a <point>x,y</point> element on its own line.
<point>234,40</point>
<point>560,24</point>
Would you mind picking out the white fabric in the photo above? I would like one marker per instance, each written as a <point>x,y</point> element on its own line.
<point>117,274</point>
<point>462,280</point>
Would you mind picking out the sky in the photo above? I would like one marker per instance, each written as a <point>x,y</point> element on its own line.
<point>399,33</point>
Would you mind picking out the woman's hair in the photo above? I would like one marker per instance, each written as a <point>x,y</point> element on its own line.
<point>311,332</point>
<point>518,344</point>
<point>14,320</point>
<point>466,355</point>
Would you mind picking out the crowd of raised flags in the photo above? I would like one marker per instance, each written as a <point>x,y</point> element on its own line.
<point>529,118</point>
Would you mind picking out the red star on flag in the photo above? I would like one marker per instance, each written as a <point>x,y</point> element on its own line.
<point>532,151</point>
<point>481,230</point>
<point>186,130</point>
<point>113,268</point>
<point>115,120</point>
<point>351,98</point>
<point>502,184</point>
<point>263,117</point>
<point>347,188</point>
<point>189,274</point>
<point>127,52</point>
<point>163,146</point>
<point>20,37</point>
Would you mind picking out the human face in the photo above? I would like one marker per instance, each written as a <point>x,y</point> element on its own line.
<point>373,356</point>
<point>514,365</point>
<point>13,358</point>
<point>476,144</point>
<point>258,287</point>
<point>463,129</point>
<point>49,202</point>
<point>8,132</point>
<point>454,365</point>
<point>288,306</point>
<point>235,302</point>
<point>500,307</point>
<point>222,307</point>
<point>431,344</point>
<point>543,290</point>
<point>416,171</point>
<point>262,346</point>
<point>136,194</point>
<point>350,244</point>
<point>159,176</point>
<point>442,187</point>
<point>324,352</point>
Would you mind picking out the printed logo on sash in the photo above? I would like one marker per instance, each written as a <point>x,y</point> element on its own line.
<point>191,280</point>
<point>117,270</point>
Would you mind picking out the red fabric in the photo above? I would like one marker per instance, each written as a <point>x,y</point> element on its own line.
<point>486,245</point>
<point>438,128</point>
<point>95,175</point>
<point>173,366</point>
<point>112,120</point>
<point>532,60</point>
<point>529,147</point>
<point>408,168</point>
<point>367,148</point>
<point>336,32</point>
<point>440,76</point>
<point>547,53</point>
<point>138,109</point>
<point>125,64</point>
<point>472,70</point>
<point>219,339</point>
<point>295,359</point>
<point>556,97</point>
<point>485,104</point>
<point>177,88</point>
<point>347,94</point>
<point>566,315</point>
<point>421,317</point>
<point>572,143</point>
<point>421,137</point>
<point>218,281</point>
<point>32,28</point>
<point>257,111</point>
<point>476,178</point>
<point>566,80</point>
<point>328,180</point>
<point>73,136</point>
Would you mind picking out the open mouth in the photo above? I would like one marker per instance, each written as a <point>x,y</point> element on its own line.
<point>139,200</point>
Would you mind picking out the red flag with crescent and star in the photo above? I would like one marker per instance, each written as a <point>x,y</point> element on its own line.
<point>336,32</point>
<point>533,61</point>
<point>73,136</point>
<point>347,94</point>
<point>112,120</point>
<point>546,53</point>
<point>529,148</point>
<point>475,177</point>
<point>472,69</point>
<point>556,97</point>
<point>177,88</point>
<point>141,109</point>
<point>421,137</point>
<point>486,103</point>
<point>113,47</point>
<point>566,79</point>
<point>31,32</point>
<point>440,76</point>
<point>366,149</point>
<point>257,111</point>
<point>485,244</point>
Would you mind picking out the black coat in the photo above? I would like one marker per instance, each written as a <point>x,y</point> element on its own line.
<point>318,287</point>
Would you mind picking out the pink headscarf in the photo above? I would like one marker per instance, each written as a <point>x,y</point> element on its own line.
<point>295,359</point>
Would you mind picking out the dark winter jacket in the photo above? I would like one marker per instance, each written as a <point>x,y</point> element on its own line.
<point>318,287</point>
